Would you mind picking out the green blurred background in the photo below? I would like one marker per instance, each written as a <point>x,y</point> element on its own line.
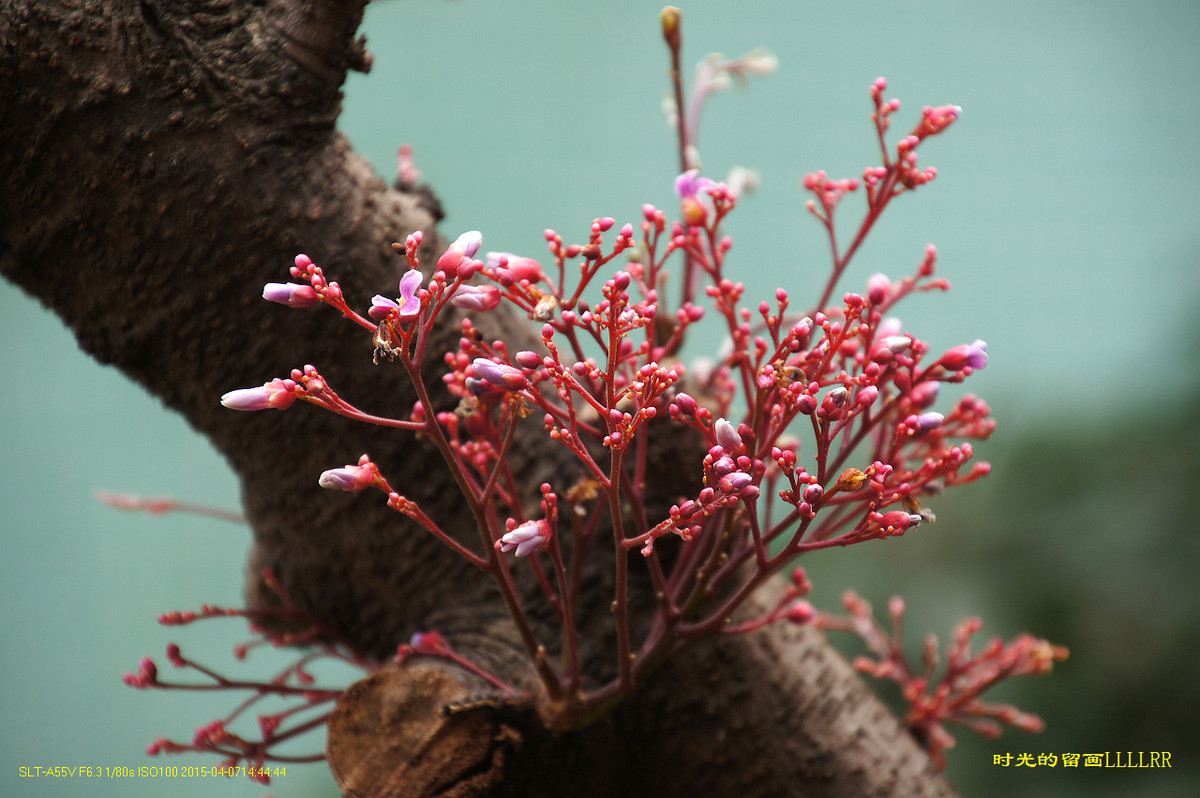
<point>1065,214</point>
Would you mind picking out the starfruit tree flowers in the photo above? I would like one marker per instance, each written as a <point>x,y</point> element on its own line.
<point>822,425</point>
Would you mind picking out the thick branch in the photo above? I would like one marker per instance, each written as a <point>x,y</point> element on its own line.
<point>160,163</point>
<point>777,713</point>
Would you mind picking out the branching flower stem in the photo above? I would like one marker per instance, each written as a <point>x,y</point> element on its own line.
<point>873,447</point>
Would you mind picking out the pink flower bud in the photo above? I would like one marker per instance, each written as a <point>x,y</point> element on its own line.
<point>407,173</point>
<point>878,288</point>
<point>351,478</point>
<point>525,538</point>
<point>924,394</point>
<point>477,298</point>
<point>147,674</point>
<point>723,465</point>
<point>277,394</point>
<point>469,243</point>
<point>898,521</point>
<point>460,252</point>
<point>727,435</point>
<point>735,482</point>
<point>528,360</point>
<point>514,267</point>
<point>935,120</point>
<point>686,404</point>
<point>929,264</point>
<point>929,421</point>
<point>963,356</point>
<point>502,376</point>
<point>479,387</point>
<point>293,295</point>
<point>465,246</point>
<point>834,399</point>
<point>801,612</point>
<point>685,509</point>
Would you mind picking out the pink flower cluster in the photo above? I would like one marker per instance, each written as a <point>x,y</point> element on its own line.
<point>817,426</point>
<point>253,748</point>
<point>954,697</point>
<point>820,426</point>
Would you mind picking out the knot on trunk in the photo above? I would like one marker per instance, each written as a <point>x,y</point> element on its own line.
<point>420,730</point>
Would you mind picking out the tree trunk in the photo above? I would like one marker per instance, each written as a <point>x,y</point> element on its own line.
<point>161,161</point>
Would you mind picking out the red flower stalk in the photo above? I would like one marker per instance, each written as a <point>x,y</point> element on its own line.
<point>307,707</point>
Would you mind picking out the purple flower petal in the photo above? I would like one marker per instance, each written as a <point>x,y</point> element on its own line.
<point>688,184</point>
<point>381,306</point>
<point>410,283</point>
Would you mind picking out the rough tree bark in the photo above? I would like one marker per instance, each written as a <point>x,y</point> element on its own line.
<point>160,162</point>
